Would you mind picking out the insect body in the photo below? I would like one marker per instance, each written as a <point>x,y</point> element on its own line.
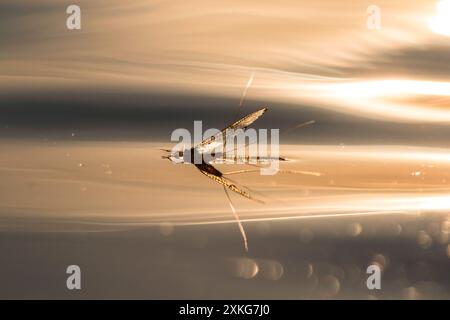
<point>198,156</point>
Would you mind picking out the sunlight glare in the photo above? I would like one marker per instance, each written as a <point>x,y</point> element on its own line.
<point>440,23</point>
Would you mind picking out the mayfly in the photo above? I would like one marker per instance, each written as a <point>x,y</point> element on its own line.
<point>210,144</point>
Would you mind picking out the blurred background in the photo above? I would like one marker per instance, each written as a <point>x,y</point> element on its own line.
<point>83,114</point>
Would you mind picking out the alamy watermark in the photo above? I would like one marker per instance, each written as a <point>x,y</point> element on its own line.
<point>73,281</point>
<point>73,21</point>
<point>374,279</point>
<point>374,19</point>
<point>231,146</point>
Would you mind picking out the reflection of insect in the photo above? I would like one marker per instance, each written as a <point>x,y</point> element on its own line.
<point>187,156</point>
